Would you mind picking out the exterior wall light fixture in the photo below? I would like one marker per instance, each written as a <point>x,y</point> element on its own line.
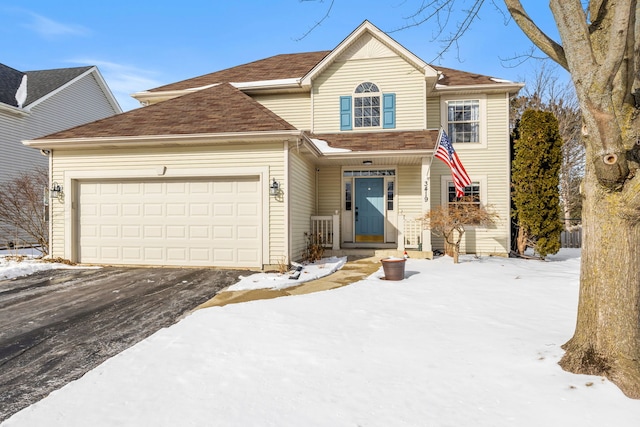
<point>274,188</point>
<point>56,191</point>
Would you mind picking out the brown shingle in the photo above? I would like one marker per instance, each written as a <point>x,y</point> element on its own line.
<point>381,141</point>
<point>453,77</point>
<point>277,67</point>
<point>218,109</point>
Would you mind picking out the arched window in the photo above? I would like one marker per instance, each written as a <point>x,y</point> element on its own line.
<point>366,106</point>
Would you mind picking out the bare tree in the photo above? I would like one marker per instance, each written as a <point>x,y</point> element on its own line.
<point>600,48</point>
<point>22,207</point>
<point>450,222</point>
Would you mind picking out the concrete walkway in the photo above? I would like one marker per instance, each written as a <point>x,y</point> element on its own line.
<point>353,271</point>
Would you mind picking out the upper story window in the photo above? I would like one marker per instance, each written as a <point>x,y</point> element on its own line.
<point>463,120</point>
<point>368,108</point>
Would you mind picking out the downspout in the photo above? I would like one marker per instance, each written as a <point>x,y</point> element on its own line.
<point>286,199</point>
<point>49,154</point>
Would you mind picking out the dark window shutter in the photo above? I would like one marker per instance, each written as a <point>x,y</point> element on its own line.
<point>389,110</point>
<point>345,113</point>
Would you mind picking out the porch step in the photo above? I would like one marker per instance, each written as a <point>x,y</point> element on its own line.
<point>379,253</point>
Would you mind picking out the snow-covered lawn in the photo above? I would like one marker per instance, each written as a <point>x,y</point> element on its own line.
<point>474,344</point>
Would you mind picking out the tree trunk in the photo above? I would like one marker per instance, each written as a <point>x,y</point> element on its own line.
<point>521,241</point>
<point>456,254</point>
<point>607,337</point>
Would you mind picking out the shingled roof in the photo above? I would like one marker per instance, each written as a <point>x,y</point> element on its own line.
<point>297,65</point>
<point>10,80</point>
<point>277,67</point>
<point>451,77</point>
<point>39,82</point>
<point>219,109</point>
<point>43,82</point>
<point>381,141</point>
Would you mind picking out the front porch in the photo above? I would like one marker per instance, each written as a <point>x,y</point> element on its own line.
<point>412,237</point>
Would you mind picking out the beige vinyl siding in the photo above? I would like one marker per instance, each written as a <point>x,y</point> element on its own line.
<point>302,196</point>
<point>392,75</point>
<point>79,103</point>
<point>433,112</point>
<point>408,194</point>
<point>490,165</point>
<point>295,108</point>
<point>232,156</point>
<point>329,190</point>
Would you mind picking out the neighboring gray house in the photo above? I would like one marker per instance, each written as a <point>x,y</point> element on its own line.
<point>37,103</point>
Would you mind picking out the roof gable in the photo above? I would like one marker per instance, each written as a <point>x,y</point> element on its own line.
<point>219,109</point>
<point>42,82</point>
<point>353,45</point>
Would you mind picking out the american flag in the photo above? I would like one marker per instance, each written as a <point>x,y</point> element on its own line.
<point>447,154</point>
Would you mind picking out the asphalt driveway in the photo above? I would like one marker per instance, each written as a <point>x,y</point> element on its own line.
<point>58,324</point>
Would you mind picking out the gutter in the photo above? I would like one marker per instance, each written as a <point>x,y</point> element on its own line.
<point>293,83</point>
<point>159,140</point>
<point>512,88</point>
<point>14,110</point>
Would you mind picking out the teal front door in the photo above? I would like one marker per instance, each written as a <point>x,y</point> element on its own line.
<point>369,212</point>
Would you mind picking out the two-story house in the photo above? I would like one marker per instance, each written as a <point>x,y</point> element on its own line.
<point>232,168</point>
<point>40,102</point>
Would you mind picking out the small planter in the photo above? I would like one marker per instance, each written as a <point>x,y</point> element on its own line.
<point>393,268</point>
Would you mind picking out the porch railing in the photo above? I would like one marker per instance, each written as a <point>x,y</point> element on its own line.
<point>327,230</point>
<point>410,232</point>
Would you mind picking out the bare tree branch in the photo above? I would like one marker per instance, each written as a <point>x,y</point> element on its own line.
<point>22,207</point>
<point>545,43</point>
<point>318,23</point>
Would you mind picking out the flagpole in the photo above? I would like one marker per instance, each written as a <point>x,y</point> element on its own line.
<point>435,149</point>
<point>428,177</point>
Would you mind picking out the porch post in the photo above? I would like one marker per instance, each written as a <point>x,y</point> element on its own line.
<point>336,231</point>
<point>426,200</point>
<point>401,232</point>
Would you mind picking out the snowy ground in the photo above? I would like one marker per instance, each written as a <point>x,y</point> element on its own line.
<point>21,262</point>
<point>474,344</point>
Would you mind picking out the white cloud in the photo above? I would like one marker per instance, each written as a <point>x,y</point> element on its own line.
<point>49,28</point>
<point>123,80</point>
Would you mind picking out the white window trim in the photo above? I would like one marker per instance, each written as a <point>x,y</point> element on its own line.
<point>445,180</point>
<point>355,95</point>
<point>482,99</point>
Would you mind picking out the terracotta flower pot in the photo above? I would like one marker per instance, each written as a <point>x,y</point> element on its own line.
<point>393,268</point>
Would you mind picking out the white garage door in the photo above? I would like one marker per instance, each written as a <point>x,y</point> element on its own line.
<point>213,222</point>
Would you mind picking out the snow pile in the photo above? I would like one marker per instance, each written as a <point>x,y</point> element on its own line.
<point>312,271</point>
<point>473,344</point>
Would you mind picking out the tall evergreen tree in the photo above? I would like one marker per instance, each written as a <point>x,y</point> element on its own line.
<point>535,176</point>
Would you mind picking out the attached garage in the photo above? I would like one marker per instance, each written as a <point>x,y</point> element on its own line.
<point>173,222</point>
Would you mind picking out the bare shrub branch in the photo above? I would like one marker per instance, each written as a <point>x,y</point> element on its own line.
<point>23,204</point>
<point>451,221</point>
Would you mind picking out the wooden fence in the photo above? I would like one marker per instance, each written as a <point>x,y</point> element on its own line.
<point>571,239</point>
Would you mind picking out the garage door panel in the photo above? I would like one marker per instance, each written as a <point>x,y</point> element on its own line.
<point>176,209</point>
<point>152,231</point>
<point>199,209</point>
<point>112,231</point>
<point>199,232</point>
<point>214,222</point>
<point>110,209</point>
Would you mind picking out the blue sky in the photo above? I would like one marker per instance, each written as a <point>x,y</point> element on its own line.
<point>140,44</point>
